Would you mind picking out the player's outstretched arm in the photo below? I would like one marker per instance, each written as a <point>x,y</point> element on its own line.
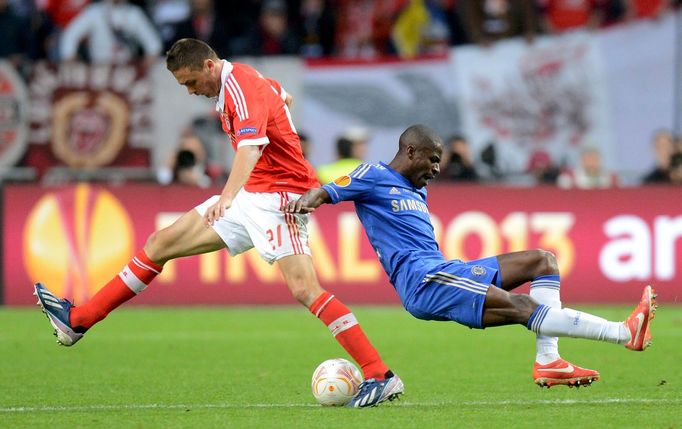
<point>311,200</point>
<point>242,165</point>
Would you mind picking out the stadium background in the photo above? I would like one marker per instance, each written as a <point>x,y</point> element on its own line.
<point>84,153</point>
<point>83,145</point>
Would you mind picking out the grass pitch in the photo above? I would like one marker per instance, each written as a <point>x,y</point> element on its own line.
<point>251,367</point>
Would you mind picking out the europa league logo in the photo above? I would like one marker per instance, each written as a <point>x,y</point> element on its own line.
<point>76,240</point>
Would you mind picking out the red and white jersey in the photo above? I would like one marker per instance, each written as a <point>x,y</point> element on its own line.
<point>253,112</point>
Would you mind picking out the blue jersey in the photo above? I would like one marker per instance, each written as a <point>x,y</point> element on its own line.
<point>396,218</point>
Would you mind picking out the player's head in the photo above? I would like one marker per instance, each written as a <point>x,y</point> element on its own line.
<point>195,66</point>
<point>590,160</point>
<point>344,148</point>
<point>419,154</point>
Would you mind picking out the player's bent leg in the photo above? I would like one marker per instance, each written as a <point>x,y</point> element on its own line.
<point>541,269</point>
<point>299,274</point>
<point>185,237</point>
<point>504,308</point>
<point>519,268</point>
<point>634,332</point>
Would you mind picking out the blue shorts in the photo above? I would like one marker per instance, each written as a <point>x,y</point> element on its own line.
<point>455,290</point>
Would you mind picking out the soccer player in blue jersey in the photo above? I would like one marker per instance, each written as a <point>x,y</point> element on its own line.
<point>390,200</point>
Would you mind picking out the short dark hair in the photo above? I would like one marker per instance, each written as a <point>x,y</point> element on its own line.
<point>676,160</point>
<point>344,147</point>
<point>190,53</point>
<point>185,159</point>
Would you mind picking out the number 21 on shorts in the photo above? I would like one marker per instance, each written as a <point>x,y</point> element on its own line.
<point>275,237</point>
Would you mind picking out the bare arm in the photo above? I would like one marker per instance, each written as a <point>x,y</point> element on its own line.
<point>311,200</point>
<point>244,162</point>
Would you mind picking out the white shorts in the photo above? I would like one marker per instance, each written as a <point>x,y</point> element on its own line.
<point>257,220</point>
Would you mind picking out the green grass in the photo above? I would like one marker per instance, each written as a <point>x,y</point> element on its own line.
<point>251,367</point>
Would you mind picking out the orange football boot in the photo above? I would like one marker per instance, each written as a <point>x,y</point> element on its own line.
<point>561,372</point>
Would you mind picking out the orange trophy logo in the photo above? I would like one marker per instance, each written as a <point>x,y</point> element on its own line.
<point>76,240</point>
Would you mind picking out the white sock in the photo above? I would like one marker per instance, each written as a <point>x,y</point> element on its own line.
<point>567,322</point>
<point>545,290</point>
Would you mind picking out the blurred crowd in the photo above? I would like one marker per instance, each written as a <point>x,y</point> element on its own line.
<point>119,30</point>
<point>460,165</point>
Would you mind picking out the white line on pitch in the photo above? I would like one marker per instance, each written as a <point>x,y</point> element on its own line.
<point>404,404</point>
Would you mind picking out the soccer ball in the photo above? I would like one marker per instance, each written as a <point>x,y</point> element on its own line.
<point>335,382</point>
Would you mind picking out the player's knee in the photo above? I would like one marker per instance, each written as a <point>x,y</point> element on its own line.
<point>299,293</point>
<point>303,291</point>
<point>546,263</point>
<point>158,245</point>
<point>153,245</point>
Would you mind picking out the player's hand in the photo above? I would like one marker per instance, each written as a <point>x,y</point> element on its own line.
<point>217,210</point>
<point>298,206</point>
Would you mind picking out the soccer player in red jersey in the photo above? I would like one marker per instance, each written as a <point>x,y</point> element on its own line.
<point>268,171</point>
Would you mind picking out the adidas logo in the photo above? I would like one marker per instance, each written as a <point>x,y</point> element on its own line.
<point>394,191</point>
<point>49,299</point>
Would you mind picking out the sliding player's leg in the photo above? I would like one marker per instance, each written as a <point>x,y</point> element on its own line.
<point>634,333</point>
<point>502,308</point>
<point>540,268</point>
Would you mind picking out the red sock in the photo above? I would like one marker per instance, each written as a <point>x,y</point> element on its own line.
<point>132,280</point>
<point>346,329</point>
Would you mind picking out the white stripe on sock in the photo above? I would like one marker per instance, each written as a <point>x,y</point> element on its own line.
<point>131,280</point>
<point>344,322</point>
<point>324,304</point>
<point>141,264</point>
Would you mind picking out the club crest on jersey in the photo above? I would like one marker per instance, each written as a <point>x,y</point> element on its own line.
<point>246,130</point>
<point>477,270</point>
<point>342,181</point>
<point>394,191</point>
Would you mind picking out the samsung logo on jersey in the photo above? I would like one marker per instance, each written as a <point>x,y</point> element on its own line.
<point>247,130</point>
<point>402,205</point>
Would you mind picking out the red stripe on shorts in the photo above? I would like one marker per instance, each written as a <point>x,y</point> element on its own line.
<point>294,234</point>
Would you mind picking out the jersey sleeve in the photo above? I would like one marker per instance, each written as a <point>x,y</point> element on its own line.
<point>354,187</point>
<point>277,88</point>
<point>250,119</point>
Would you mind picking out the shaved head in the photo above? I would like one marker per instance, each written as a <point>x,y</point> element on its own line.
<point>420,137</point>
<point>419,154</point>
